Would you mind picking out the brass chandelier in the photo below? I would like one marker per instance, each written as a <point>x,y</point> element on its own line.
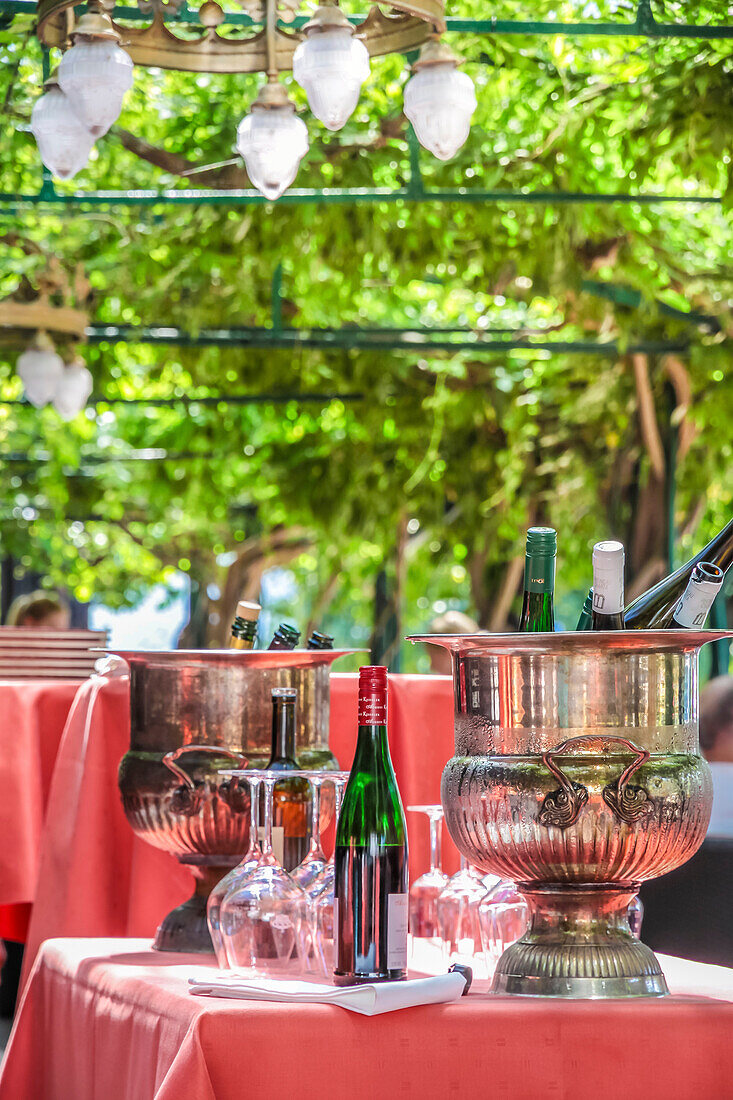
<point>329,57</point>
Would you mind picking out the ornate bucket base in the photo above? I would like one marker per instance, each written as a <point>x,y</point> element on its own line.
<point>185,927</point>
<point>579,944</point>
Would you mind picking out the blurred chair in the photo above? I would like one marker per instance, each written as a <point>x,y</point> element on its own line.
<point>689,912</point>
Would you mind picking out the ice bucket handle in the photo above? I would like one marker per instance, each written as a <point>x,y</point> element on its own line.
<point>170,760</point>
<point>562,807</point>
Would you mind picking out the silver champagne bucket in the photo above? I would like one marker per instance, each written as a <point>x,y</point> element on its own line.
<point>192,714</point>
<point>577,774</point>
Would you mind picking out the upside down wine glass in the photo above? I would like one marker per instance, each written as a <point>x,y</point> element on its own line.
<point>260,917</point>
<point>250,861</point>
<point>425,890</point>
<point>457,909</point>
<point>321,895</point>
<point>315,860</point>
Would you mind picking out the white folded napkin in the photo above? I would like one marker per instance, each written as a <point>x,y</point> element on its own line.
<point>369,1000</point>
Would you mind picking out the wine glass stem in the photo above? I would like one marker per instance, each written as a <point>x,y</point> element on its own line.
<point>464,863</point>
<point>254,815</point>
<point>315,845</point>
<point>435,842</point>
<point>267,822</point>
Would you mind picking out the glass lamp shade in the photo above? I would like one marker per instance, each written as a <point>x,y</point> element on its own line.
<point>94,75</point>
<point>273,141</point>
<point>439,102</point>
<point>40,370</point>
<point>73,390</point>
<point>63,140</point>
<point>331,66</point>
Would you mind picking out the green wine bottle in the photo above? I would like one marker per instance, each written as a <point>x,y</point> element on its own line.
<point>608,586</point>
<point>585,619</point>
<point>539,581</point>
<point>654,609</point>
<point>285,637</point>
<point>371,880</point>
<point>244,627</point>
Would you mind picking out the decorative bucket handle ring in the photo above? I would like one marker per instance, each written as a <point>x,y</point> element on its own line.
<point>170,759</point>
<point>562,807</point>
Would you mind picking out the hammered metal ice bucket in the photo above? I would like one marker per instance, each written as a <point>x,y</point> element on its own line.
<point>193,713</point>
<point>577,774</point>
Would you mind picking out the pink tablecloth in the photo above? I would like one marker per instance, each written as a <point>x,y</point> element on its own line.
<point>32,717</point>
<point>97,879</point>
<point>110,1020</point>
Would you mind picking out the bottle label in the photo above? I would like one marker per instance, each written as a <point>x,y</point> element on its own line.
<point>692,610</point>
<point>372,706</point>
<point>397,914</point>
<point>608,592</point>
<point>539,572</point>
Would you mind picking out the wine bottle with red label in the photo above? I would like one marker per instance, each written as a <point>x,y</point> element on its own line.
<point>371,883</point>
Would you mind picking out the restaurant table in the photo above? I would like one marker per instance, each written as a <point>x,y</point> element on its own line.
<point>32,718</point>
<point>96,878</point>
<point>111,1020</point>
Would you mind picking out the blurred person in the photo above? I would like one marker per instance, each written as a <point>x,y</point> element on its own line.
<point>40,611</point>
<point>451,622</point>
<point>716,739</point>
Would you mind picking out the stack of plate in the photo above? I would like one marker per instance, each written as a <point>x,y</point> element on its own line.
<point>49,654</point>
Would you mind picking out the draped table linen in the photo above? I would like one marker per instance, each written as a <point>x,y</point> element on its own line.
<point>32,718</point>
<point>112,1020</point>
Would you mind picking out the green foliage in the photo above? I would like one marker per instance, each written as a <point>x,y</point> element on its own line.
<point>486,442</point>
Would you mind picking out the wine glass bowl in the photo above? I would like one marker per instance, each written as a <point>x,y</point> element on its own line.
<point>503,918</point>
<point>260,918</point>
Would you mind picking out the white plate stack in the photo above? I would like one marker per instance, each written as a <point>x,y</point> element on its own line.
<point>27,654</point>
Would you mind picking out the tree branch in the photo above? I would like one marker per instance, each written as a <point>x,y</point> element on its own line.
<point>648,416</point>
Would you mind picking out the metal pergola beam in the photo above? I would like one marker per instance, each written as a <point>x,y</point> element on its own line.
<point>48,196</point>
<point>643,26</point>
<point>363,339</point>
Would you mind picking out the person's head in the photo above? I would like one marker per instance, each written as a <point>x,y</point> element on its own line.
<point>452,622</point>
<point>716,719</point>
<point>39,611</point>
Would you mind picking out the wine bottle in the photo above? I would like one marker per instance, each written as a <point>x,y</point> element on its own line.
<point>285,637</point>
<point>291,797</point>
<point>608,586</point>
<point>692,610</point>
<point>244,627</point>
<point>319,640</point>
<point>655,607</point>
<point>585,619</point>
<point>539,580</point>
<point>371,888</point>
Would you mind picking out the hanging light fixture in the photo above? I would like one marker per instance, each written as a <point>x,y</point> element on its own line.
<point>439,100</point>
<point>331,65</point>
<point>96,72</point>
<point>64,142</point>
<point>73,389</point>
<point>272,140</point>
<point>40,369</point>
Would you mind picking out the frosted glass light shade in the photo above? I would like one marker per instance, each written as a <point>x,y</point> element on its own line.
<point>64,142</point>
<point>95,74</point>
<point>331,66</point>
<point>73,390</point>
<point>439,102</point>
<point>40,370</point>
<point>273,141</point>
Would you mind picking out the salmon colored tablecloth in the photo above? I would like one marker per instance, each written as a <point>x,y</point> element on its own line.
<point>110,1020</point>
<point>32,717</point>
<point>97,879</point>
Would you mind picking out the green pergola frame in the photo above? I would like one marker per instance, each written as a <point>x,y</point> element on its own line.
<point>644,26</point>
